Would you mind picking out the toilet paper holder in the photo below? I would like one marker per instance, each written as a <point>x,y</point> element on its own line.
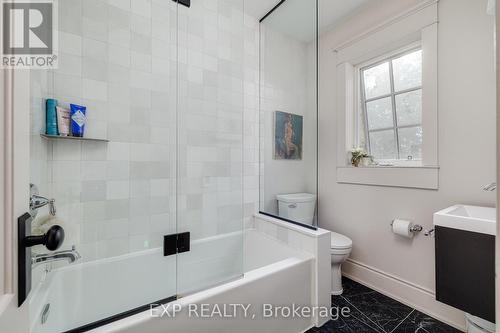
<point>416,228</point>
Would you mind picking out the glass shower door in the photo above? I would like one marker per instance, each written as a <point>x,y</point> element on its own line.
<point>115,189</point>
<point>161,155</point>
<point>210,142</point>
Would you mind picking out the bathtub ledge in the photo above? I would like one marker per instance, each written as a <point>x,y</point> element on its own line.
<point>309,232</point>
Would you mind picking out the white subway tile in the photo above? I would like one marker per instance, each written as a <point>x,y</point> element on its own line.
<point>119,55</point>
<point>140,24</point>
<point>69,64</point>
<point>65,171</point>
<point>160,187</point>
<point>94,151</point>
<point>140,61</point>
<point>67,150</point>
<point>94,69</point>
<point>93,170</point>
<point>95,49</point>
<point>93,29</point>
<point>117,170</point>
<point>95,90</point>
<point>119,37</point>
<point>118,189</point>
<point>94,190</point>
<point>118,151</point>
<point>141,7</point>
<point>139,188</point>
<point>122,4</point>
<point>69,86</point>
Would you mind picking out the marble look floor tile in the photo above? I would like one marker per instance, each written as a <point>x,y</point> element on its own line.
<point>352,288</point>
<point>344,326</point>
<point>418,322</point>
<point>380,309</point>
<point>351,320</point>
<point>372,312</point>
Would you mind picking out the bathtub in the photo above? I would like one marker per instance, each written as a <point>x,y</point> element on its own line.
<point>274,274</point>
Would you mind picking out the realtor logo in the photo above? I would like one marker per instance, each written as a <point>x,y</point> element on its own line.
<point>28,34</point>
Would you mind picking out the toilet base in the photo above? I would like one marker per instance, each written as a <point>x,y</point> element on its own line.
<point>337,288</point>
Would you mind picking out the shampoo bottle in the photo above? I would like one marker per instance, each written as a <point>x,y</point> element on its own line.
<point>51,117</point>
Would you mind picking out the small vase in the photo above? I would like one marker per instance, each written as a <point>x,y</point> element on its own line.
<point>366,161</point>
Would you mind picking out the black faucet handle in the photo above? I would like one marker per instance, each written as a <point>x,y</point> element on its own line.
<point>52,240</point>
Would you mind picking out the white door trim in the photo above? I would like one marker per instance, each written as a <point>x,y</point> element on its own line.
<point>6,178</point>
<point>14,196</point>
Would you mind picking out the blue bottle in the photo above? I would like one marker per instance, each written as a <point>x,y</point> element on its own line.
<point>78,119</point>
<point>51,117</point>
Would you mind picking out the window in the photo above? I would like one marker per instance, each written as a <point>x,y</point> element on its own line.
<point>391,104</point>
<point>387,102</point>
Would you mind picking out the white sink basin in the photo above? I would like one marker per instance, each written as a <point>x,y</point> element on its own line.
<point>468,218</point>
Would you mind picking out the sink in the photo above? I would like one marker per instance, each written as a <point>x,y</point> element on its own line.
<point>468,218</point>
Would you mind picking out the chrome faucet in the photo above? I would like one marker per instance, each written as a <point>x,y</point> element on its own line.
<point>69,255</point>
<point>490,187</point>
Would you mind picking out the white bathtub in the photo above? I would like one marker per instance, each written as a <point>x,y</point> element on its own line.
<point>274,274</point>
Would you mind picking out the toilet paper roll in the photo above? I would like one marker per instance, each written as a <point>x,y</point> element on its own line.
<point>402,228</point>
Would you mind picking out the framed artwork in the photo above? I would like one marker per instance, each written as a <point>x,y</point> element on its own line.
<point>288,130</point>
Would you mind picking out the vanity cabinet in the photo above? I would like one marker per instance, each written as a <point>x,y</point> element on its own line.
<point>465,271</point>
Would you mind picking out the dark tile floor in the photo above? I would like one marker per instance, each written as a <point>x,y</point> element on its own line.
<point>370,311</point>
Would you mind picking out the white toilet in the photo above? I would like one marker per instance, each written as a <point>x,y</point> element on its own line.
<point>341,247</point>
<point>299,207</point>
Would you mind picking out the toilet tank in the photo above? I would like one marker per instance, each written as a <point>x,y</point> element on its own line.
<point>298,207</point>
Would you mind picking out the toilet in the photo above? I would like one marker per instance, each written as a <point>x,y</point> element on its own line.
<point>299,207</point>
<point>340,250</point>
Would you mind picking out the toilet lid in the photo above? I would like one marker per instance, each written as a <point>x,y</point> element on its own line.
<point>340,241</point>
<point>296,197</point>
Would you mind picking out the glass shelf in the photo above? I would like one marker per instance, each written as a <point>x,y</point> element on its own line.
<point>74,138</point>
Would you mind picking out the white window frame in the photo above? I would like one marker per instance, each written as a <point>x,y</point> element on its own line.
<point>415,27</point>
<point>361,105</point>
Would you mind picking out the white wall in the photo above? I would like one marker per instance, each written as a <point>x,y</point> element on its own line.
<point>466,150</point>
<point>288,84</point>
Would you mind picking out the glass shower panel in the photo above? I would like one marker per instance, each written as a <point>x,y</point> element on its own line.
<point>210,117</point>
<point>115,189</point>
<point>288,111</point>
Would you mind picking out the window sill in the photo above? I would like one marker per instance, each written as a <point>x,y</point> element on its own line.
<point>421,177</point>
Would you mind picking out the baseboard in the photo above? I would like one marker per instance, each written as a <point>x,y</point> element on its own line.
<point>405,292</point>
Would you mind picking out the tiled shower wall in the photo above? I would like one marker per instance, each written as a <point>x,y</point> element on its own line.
<point>120,59</point>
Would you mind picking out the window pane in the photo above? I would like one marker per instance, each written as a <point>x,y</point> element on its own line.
<point>409,108</point>
<point>410,143</point>
<point>408,71</point>
<point>380,113</point>
<point>383,145</point>
<point>377,81</point>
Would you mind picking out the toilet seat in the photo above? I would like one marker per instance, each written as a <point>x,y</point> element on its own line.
<point>340,242</point>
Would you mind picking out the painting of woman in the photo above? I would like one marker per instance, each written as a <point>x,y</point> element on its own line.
<point>288,136</point>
